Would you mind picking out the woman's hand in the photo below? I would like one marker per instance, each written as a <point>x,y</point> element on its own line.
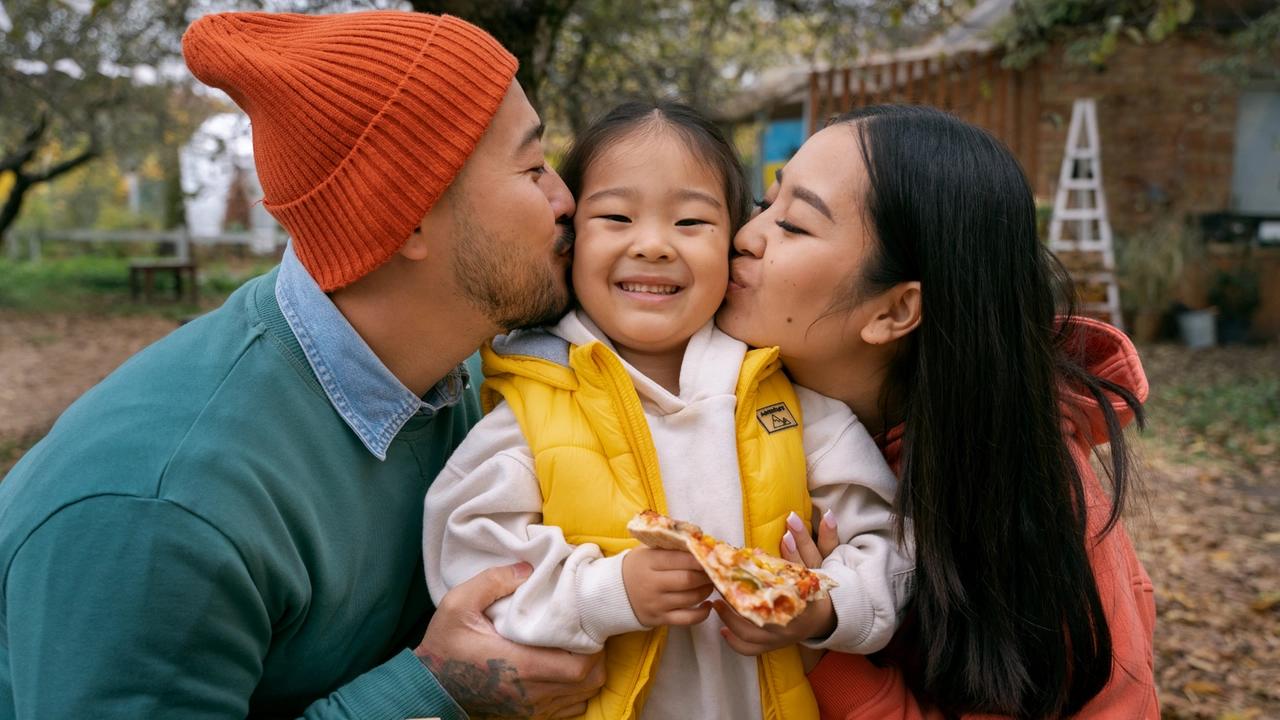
<point>798,547</point>
<point>666,587</point>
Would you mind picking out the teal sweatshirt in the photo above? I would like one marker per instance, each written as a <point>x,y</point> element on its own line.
<point>202,536</point>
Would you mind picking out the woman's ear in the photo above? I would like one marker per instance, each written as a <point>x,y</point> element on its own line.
<point>894,314</point>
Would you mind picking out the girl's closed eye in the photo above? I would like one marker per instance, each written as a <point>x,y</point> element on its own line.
<point>617,218</point>
<point>690,222</point>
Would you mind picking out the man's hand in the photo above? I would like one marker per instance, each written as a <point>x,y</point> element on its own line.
<point>490,676</point>
<point>666,587</point>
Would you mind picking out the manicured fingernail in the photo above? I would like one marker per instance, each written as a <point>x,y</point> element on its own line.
<point>522,570</point>
<point>829,519</point>
<point>795,523</point>
<point>789,542</point>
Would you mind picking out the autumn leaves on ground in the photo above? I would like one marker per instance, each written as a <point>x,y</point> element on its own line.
<point>1208,528</point>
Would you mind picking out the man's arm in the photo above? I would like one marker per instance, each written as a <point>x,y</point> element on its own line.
<point>126,607</point>
<point>493,677</point>
<point>120,606</point>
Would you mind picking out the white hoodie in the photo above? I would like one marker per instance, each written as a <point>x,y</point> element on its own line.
<point>485,509</point>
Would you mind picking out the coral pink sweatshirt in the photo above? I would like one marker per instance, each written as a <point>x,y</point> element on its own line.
<point>850,687</point>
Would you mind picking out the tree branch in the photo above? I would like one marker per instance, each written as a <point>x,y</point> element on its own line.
<point>65,166</point>
<point>27,150</point>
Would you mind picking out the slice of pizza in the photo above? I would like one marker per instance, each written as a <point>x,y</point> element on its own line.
<point>760,587</point>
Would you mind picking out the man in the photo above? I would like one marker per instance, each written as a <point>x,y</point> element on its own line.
<point>230,524</point>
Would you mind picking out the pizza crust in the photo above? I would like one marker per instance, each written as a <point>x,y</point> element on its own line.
<point>664,533</point>
<point>761,588</point>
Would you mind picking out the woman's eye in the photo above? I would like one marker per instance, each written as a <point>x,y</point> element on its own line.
<point>540,170</point>
<point>690,222</point>
<point>788,227</point>
<point>762,205</point>
<point>617,218</point>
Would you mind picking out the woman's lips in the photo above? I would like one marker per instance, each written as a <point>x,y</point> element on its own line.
<point>735,275</point>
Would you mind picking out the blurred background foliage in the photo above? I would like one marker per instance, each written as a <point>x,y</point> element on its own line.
<point>94,96</point>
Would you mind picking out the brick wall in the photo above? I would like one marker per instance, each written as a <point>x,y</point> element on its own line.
<point>1162,121</point>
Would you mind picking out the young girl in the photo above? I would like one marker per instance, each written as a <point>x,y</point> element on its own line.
<point>634,401</point>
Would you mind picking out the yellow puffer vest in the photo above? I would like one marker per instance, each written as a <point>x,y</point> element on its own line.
<point>597,467</point>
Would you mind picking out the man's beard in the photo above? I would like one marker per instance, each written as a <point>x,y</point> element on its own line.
<point>512,294</point>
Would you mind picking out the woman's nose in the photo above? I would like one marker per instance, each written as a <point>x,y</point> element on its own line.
<point>750,239</point>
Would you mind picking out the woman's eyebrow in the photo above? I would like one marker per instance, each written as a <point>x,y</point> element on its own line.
<point>804,194</point>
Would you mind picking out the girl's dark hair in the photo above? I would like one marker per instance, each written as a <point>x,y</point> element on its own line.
<point>703,138</point>
<point>1008,617</point>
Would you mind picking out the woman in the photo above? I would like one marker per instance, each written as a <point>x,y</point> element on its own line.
<point>896,264</point>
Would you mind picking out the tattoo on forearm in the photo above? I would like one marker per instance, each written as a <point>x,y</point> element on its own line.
<point>491,691</point>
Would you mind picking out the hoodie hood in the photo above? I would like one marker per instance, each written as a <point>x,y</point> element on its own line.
<point>1105,352</point>
<point>1109,354</point>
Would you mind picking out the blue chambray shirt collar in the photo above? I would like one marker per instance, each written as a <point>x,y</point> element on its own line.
<point>372,401</point>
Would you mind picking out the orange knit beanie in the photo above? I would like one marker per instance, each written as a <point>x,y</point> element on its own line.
<point>360,120</point>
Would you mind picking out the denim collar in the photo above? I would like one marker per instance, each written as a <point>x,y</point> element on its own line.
<point>372,401</point>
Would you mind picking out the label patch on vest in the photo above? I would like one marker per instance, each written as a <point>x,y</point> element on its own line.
<point>776,417</point>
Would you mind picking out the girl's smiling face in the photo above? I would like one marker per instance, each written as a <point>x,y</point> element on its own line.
<point>651,259</point>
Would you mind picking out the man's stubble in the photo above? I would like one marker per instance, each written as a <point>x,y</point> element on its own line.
<point>513,291</point>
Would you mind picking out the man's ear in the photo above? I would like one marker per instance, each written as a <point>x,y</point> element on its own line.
<point>894,314</point>
<point>429,231</point>
<point>415,248</point>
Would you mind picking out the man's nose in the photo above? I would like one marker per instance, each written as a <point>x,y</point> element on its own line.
<point>558,194</point>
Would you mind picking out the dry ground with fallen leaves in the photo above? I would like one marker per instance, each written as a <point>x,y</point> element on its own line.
<point>1209,535</point>
<point>1208,529</point>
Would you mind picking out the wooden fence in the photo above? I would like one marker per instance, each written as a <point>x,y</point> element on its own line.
<point>971,85</point>
<point>181,239</point>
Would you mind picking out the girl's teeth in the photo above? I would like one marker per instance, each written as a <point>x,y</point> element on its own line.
<point>656,289</point>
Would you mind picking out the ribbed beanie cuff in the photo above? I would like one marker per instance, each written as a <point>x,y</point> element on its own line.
<point>360,120</point>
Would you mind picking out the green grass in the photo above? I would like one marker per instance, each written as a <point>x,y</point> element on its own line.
<point>97,284</point>
<point>1224,402</point>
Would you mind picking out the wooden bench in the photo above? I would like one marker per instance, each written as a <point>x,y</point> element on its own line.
<point>142,273</point>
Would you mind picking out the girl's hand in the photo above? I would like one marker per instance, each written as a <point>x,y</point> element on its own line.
<point>798,547</point>
<point>817,620</point>
<point>666,587</point>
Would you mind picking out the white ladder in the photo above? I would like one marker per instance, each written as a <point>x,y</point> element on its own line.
<point>1081,203</point>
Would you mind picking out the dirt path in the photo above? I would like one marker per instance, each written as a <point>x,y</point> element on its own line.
<point>47,361</point>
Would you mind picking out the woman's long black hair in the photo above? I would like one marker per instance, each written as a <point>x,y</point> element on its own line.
<point>1008,617</point>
